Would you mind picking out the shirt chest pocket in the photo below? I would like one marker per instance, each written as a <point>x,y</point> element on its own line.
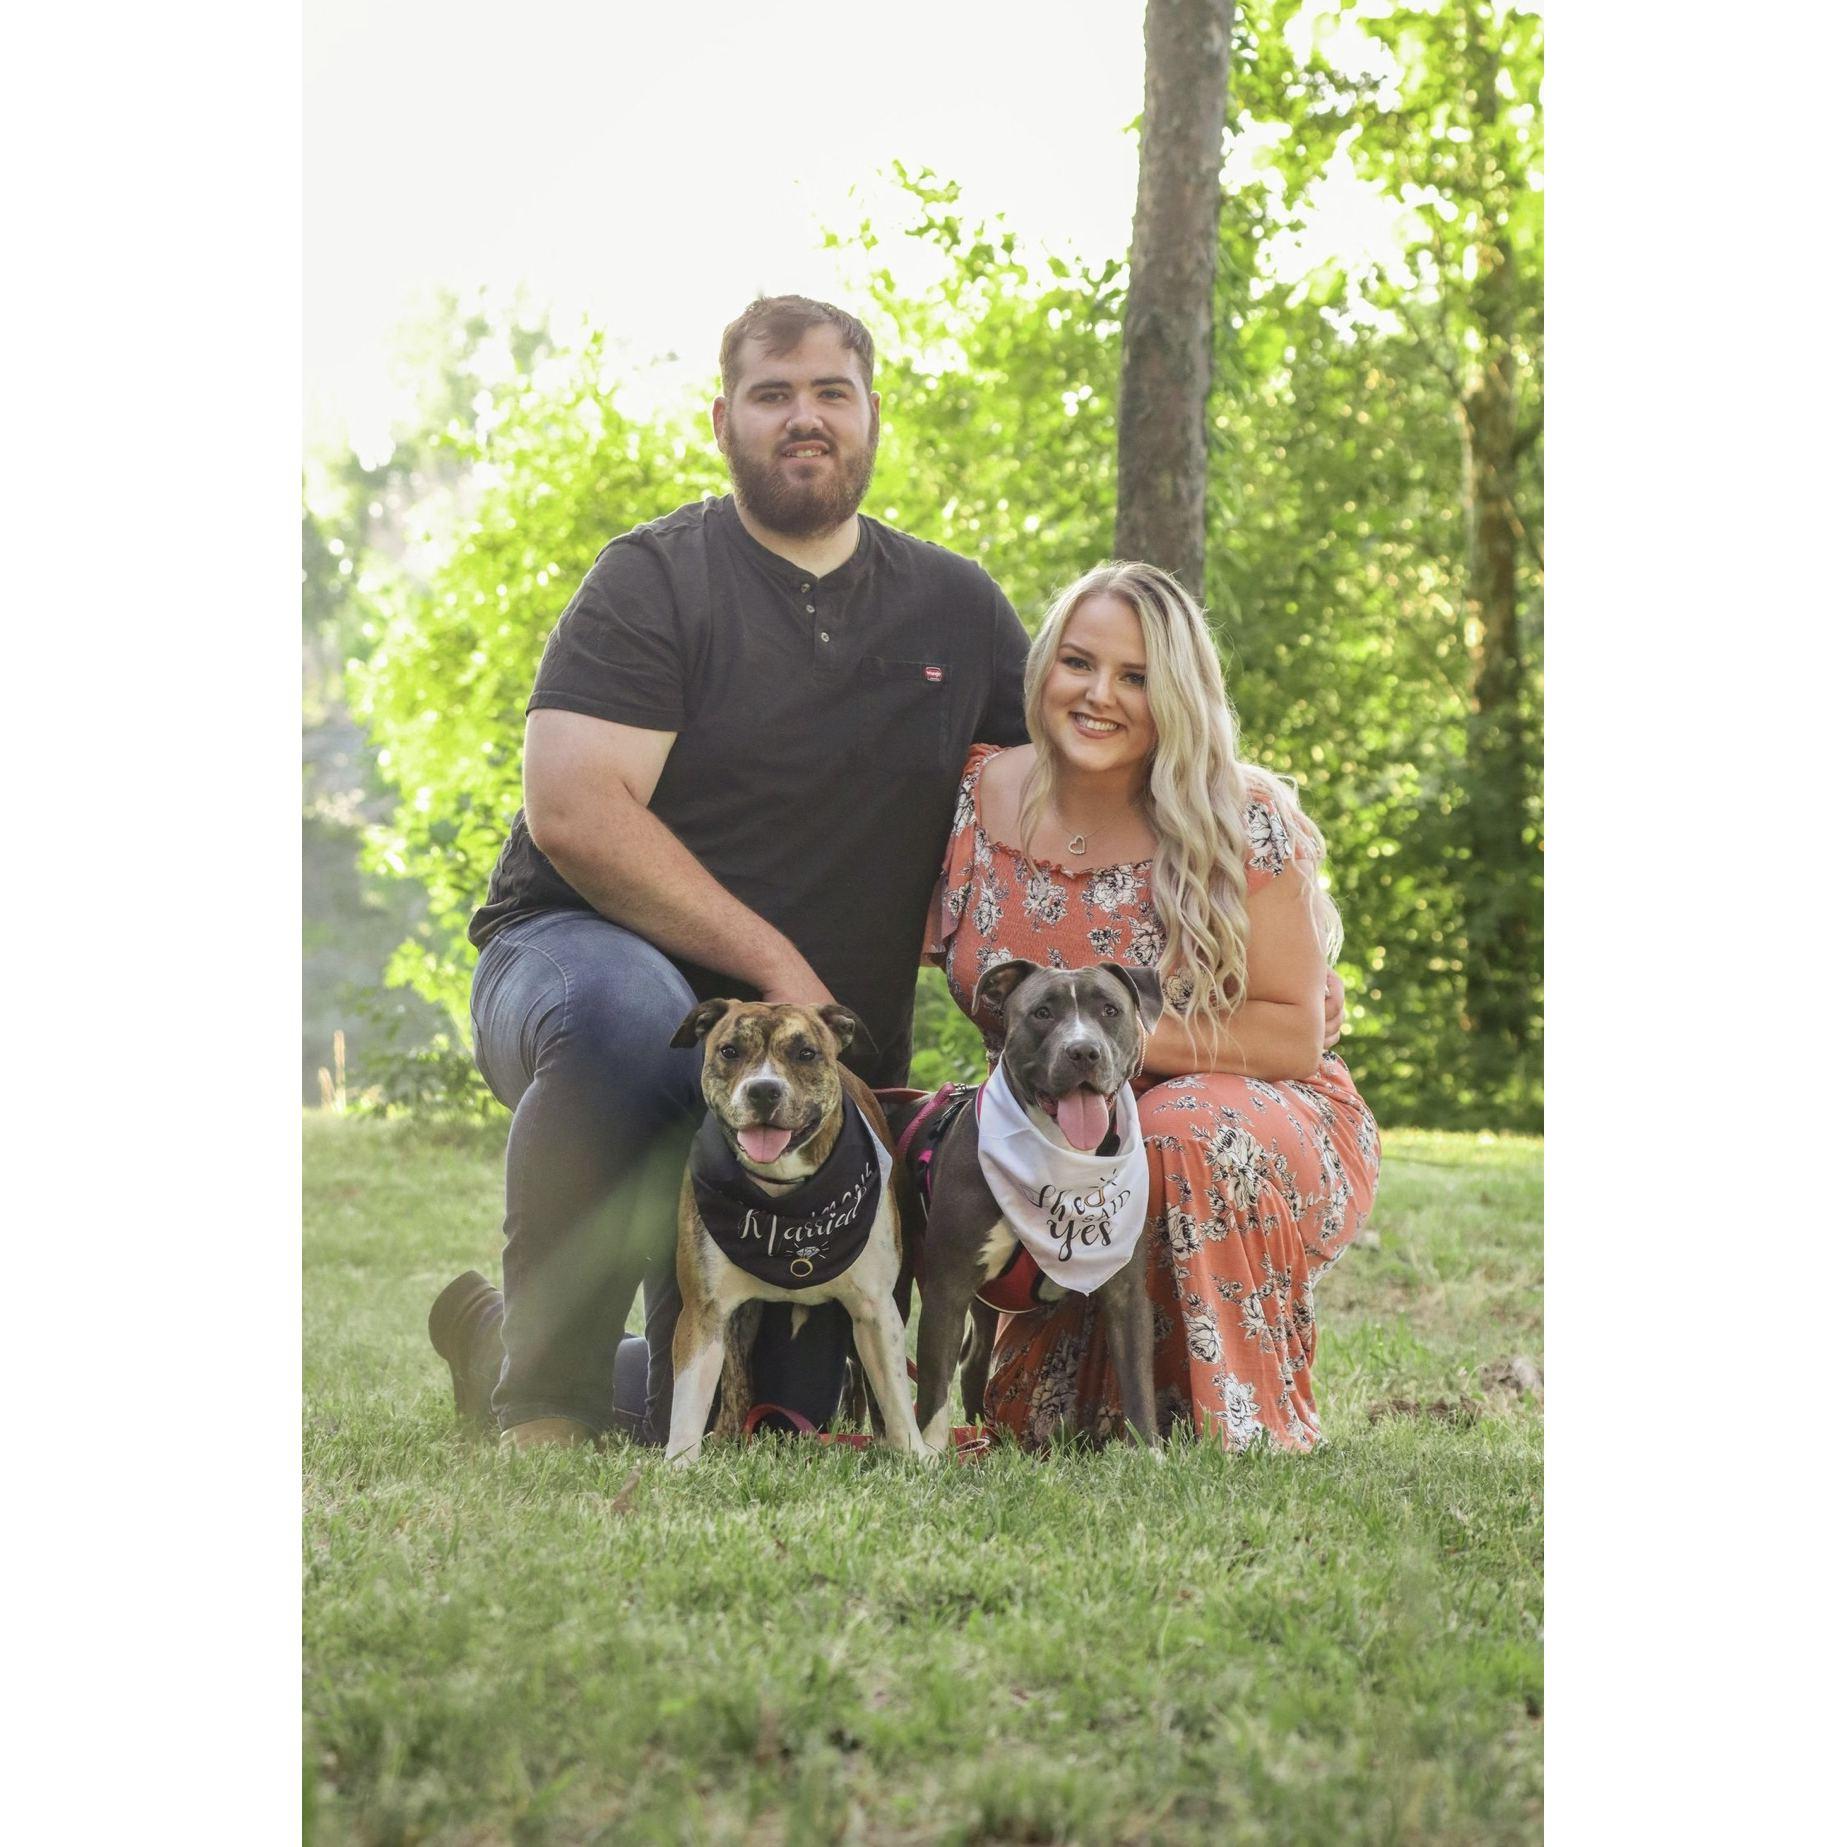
<point>904,709</point>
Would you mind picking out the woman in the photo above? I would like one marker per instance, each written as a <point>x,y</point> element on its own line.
<point>1129,831</point>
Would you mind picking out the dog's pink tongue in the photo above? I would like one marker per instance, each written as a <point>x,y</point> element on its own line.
<point>1083,1118</point>
<point>764,1145</point>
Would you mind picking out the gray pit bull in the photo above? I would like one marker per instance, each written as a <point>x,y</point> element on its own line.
<point>1072,1040</point>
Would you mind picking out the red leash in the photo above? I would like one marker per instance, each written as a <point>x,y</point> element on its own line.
<point>970,1440</point>
<point>804,1427</point>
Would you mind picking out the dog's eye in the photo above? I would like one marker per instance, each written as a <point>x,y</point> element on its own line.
<point>806,1054</point>
<point>1042,1013</point>
<point>1111,1011</point>
<point>727,1052</point>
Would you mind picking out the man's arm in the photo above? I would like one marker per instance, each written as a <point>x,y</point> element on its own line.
<point>588,785</point>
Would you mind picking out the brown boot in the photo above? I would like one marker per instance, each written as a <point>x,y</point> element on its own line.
<point>543,1432</point>
<point>465,1331</point>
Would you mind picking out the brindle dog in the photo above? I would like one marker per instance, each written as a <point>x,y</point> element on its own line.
<point>778,1092</point>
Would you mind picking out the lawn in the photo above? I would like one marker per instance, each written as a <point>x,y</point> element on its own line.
<point>799,1645</point>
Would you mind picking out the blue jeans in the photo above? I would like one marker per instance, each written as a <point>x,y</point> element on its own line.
<point>572,1018</point>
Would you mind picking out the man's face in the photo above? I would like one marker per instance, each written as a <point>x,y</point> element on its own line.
<point>799,433</point>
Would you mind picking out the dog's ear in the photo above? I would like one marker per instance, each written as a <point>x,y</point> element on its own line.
<point>1144,985</point>
<point>847,1027</point>
<point>1000,981</point>
<point>700,1022</point>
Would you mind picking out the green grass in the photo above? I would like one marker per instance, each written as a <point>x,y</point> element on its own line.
<point>797,1645</point>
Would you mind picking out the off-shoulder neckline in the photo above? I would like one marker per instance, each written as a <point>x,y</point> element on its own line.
<point>1019,853</point>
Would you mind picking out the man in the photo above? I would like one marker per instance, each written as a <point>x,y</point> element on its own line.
<point>742,755</point>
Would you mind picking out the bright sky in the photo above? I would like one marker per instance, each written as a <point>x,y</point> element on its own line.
<point>653,167</point>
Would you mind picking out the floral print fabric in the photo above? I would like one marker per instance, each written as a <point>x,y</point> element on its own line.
<point>1256,1187</point>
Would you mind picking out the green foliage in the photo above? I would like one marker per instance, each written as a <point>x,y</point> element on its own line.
<point>445,689</point>
<point>1337,549</point>
<point>1345,657</point>
<point>365,522</point>
<point>436,1082</point>
<point>1340,535</point>
<point>946,1046</point>
<point>999,398</point>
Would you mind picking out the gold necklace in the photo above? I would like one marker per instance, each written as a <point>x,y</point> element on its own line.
<point>1078,844</point>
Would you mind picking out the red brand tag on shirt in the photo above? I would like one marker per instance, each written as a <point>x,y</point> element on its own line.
<point>933,673</point>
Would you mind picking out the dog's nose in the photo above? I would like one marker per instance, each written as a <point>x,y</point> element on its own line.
<point>763,1093</point>
<point>1085,1052</point>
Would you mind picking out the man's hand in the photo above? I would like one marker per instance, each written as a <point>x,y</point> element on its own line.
<point>1333,1011</point>
<point>796,984</point>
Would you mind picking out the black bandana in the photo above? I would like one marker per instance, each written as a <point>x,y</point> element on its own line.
<point>801,1237</point>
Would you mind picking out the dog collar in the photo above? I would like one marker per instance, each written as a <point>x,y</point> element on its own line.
<point>807,1235</point>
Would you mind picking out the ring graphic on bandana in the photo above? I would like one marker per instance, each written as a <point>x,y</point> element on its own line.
<point>800,1266</point>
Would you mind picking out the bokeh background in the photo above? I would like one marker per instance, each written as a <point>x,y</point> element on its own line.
<point>509,361</point>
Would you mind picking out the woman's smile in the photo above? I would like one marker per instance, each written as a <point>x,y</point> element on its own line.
<point>1095,704</point>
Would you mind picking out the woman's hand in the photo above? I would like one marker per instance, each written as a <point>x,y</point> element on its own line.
<point>1333,1011</point>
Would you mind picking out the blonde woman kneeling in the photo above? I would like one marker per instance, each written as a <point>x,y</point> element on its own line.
<point>1129,831</point>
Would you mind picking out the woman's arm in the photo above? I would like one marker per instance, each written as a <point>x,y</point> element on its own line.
<point>1277,1032</point>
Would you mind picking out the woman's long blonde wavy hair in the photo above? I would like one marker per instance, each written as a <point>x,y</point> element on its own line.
<point>1196,791</point>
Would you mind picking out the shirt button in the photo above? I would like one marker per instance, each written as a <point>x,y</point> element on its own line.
<point>824,635</point>
<point>806,588</point>
<point>809,607</point>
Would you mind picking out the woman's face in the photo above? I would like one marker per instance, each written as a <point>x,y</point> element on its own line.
<point>1094,711</point>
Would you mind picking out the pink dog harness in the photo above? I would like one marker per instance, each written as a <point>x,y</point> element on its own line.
<point>1016,1288</point>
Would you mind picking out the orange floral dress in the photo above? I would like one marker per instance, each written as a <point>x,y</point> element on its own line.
<point>1256,1187</point>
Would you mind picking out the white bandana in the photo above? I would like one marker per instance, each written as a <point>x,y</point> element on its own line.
<point>1079,1215</point>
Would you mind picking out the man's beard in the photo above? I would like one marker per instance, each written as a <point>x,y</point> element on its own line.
<point>801,510</point>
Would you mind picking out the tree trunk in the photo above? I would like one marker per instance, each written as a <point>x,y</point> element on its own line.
<point>1167,326</point>
<point>1501,882</point>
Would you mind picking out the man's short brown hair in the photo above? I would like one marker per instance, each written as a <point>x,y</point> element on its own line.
<point>781,322</point>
